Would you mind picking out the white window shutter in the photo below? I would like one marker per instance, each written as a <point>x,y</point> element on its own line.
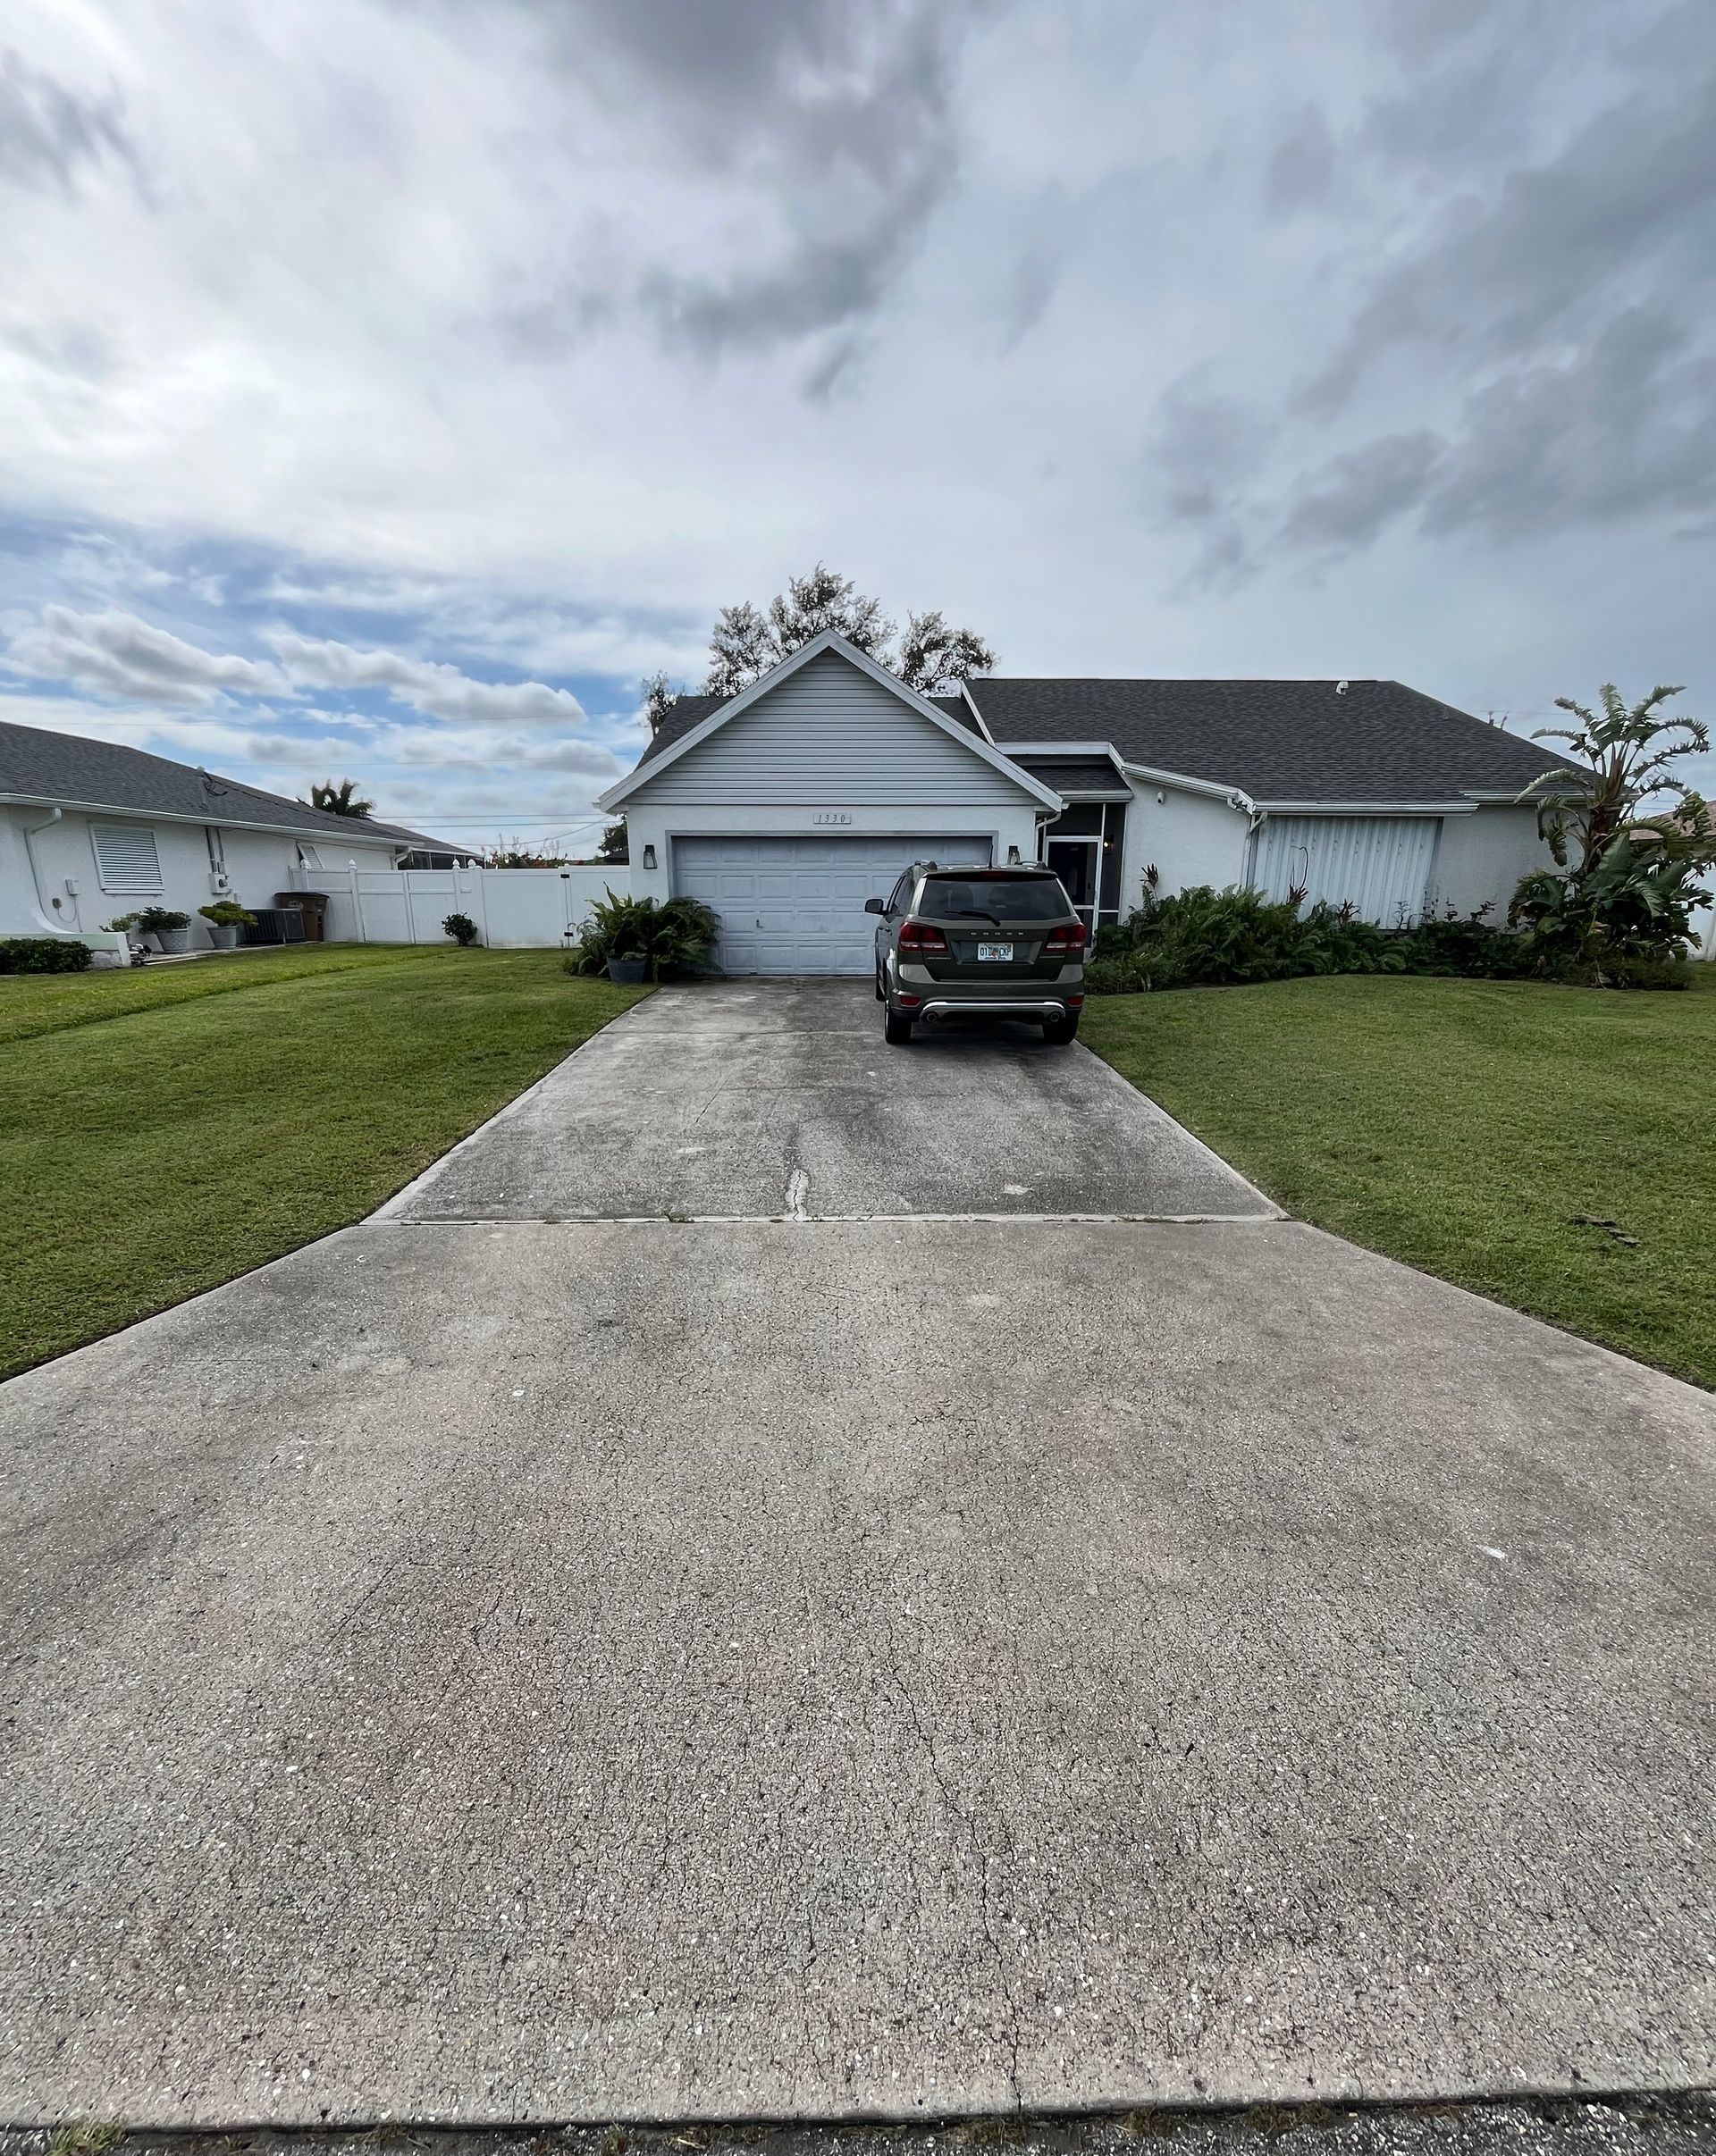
<point>126,860</point>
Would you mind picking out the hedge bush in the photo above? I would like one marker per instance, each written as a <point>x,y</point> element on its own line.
<point>1205,938</point>
<point>42,954</point>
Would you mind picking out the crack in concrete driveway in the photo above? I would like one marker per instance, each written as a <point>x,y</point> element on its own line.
<point>903,1664</point>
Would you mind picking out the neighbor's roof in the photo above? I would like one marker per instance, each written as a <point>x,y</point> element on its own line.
<point>688,711</point>
<point>39,765</point>
<point>1275,740</point>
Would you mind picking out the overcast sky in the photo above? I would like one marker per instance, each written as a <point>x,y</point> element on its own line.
<point>386,385</point>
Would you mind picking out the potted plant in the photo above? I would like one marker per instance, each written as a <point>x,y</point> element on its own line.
<point>631,939</point>
<point>225,919</point>
<point>171,930</point>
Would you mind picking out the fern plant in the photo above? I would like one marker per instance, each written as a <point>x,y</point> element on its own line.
<point>677,933</point>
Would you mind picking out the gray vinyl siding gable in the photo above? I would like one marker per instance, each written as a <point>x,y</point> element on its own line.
<point>829,735</point>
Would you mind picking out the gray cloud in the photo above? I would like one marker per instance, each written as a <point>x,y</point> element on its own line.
<point>1205,446</point>
<point>1546,327</point>
<point>809,83</point>
<point>1030,286</point>
<point>1358,494</point>
<point>1626,428</point>
<point>47,132</point>
<point>1627,203</point>
<point>841,116</point>
<point>819,285</point>
<point>115,654</point>
<point>1199,463</point>
<point>1300,171</point>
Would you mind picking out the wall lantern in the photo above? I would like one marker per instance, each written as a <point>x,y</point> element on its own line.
<point>649,857</point>
<point>1013,857</point>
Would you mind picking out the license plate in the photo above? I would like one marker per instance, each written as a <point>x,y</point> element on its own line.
<point>1000,951</point>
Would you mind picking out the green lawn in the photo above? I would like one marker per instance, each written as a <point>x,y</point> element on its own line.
<point>1463,1125</point>
<point>164,1129</point>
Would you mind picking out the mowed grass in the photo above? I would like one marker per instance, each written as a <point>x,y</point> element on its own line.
<point>1465,1127</point>
<point>162,1131</point>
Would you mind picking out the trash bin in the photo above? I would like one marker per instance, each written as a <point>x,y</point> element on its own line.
<point>313,905</point>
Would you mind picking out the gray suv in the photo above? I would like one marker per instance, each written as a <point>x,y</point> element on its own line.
<point>979,941</point>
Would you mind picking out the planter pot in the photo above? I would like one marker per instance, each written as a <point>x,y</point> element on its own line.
<point>628,972</point>
<point>223,938</point>
<point>172,941</point>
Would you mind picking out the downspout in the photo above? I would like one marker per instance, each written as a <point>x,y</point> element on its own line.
<point>1254,826</point>
<point>44,908</point>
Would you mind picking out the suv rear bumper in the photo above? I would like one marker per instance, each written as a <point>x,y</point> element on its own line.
<point>999,1006</point>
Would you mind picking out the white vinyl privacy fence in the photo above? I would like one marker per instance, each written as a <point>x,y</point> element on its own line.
<point>513,908</point>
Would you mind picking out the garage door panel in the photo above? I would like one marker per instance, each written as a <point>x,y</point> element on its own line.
<point>797,905</point>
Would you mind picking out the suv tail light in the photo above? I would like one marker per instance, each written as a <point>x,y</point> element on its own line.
<point>924,938</point>
<point>1066,940</point>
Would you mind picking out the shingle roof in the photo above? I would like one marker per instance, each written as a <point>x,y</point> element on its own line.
<point>1275,740</point>
<point>1378,740</point>
<point>682,715</point>
<point>1074,774</point>
<point>44,766</point>
<point>688,711</point>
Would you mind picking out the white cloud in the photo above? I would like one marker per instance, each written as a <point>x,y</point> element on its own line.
<point>429,685</point>
<point>365,286</point>
<point>115,654</point>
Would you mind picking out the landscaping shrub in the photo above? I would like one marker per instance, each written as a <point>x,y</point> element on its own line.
<point>1622,921</point>
<point>677,932</point>
<point>42,954</point>
<point>1203,939</point>
<point>462,928</point>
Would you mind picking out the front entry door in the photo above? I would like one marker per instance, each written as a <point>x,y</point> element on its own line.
<point>1074,861</point>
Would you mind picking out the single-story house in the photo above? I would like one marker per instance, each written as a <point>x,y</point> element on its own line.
<point>90,830</point>
<point>788,805</point>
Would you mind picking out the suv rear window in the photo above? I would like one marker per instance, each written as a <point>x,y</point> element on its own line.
<point>1008,898</point>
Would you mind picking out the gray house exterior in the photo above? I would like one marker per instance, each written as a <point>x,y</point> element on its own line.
<point>789,805</point>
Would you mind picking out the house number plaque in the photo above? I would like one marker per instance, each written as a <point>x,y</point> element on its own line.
<point>831,816</point>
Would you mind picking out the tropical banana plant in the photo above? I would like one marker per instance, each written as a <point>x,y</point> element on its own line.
<point>1629,751</point>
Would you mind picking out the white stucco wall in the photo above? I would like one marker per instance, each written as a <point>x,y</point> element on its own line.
<point>258,863</point>
<point>1190,838</point>
<point>1482,858</point>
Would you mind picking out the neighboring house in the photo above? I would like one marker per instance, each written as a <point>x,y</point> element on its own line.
<point>89,830</point>
<point>786,806</point>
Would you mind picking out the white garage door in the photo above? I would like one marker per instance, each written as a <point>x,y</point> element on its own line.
<point>1380,864</point>
<point>797,905</point>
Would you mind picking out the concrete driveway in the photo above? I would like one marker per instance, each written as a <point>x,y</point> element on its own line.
<point>748,1100</point>
<point>492,1665</point>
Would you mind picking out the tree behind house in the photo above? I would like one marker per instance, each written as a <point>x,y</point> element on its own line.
<point>342,799</point>
<point>746,644</point>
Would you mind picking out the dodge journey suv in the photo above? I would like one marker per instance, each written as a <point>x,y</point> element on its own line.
<point>982,941</point>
